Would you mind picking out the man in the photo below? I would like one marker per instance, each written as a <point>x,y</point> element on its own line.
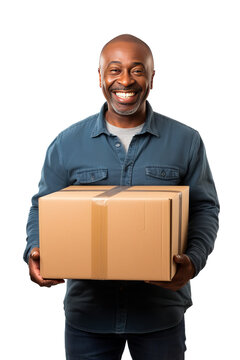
<point>129,144</point>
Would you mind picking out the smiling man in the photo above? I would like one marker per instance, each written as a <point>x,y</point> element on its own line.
<point>126,80</point>
<point>129,144</point>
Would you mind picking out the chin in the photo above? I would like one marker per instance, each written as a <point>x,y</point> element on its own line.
<point>125,112</point>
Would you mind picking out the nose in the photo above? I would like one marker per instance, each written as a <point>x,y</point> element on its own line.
<point>125,79</point>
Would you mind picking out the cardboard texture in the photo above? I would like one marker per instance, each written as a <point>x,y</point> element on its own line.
<point>113,232</point>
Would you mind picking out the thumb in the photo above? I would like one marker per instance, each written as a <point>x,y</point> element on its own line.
<point>35,254</point>
<point>181,259</point>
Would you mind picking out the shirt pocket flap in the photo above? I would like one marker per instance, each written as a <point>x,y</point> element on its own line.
<point>90,175</point>
<point>163,173</point>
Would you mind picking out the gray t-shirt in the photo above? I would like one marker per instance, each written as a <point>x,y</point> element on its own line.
<point>125,135</point>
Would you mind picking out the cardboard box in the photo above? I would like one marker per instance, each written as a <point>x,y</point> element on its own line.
<point>113,232</point>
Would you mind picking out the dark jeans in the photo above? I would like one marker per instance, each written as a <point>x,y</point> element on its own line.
<point>159,345</point>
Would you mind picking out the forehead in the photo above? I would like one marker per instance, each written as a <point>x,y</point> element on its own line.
<point>126,53</point>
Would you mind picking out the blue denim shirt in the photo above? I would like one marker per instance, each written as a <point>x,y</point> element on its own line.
<point>165,152</point>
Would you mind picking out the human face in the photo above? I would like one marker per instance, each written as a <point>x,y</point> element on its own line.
<point>126,76</point>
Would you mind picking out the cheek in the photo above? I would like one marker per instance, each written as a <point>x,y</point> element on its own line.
<point>108,81</point>
<point>106,84</point>
<point>146,91</point>
<point>143,82</point>
<point>145,85</point>
<point>105,91</point>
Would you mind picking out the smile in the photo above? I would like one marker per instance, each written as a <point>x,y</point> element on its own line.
<point>125,95</point>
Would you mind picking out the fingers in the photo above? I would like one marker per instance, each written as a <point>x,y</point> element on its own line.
<point>37,278</point>
<point>45,283</point>
<point>182,276</point>
<point>34,271</point>
<point>49,283</point>
<point>181,259</point>
<point>166,284</point>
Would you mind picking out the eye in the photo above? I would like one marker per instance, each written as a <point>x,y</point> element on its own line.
<point>114,71</point>
<point>138,71</point>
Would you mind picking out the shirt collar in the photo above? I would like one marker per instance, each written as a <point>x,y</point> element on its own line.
<point>149,125</point>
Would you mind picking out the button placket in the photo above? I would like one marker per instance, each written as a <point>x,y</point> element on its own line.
<point>117,147</point>
<point>127,169</point>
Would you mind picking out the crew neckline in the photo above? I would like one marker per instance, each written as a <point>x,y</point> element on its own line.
<point>120,129</point>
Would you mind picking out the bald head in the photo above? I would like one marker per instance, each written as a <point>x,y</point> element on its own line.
<point>127,38</point>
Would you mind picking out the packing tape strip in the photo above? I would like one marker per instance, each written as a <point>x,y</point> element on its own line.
<point>100,231</point>
<point>99,238</point>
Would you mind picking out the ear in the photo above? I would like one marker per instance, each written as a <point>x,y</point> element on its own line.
<point>151,86</point>
<point>100,80</point>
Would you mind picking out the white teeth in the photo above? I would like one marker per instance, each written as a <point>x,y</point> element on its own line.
<point>125,95</point>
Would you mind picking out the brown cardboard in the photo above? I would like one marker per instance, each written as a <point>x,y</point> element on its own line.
<point>113,232</point>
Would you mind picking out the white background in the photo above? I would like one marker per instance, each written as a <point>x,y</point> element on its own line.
<point>49,80</point>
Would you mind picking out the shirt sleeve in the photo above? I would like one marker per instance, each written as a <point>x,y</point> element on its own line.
<point>53,178</point>
<point>203,206</point>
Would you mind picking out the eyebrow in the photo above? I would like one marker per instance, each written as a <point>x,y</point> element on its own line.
<point>119,62</point>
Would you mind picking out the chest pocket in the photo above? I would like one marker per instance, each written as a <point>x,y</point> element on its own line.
<point>162,175</point>
<point>89,176</point>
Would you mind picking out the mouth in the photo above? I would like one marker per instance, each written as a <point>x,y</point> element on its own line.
<point>125,96</point>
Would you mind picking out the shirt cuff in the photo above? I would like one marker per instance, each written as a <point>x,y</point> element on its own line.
<point>198,258</point>
<point>28,250</point>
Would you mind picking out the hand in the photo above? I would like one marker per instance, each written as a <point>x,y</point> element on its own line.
<point>34,270</point>
<point>185,272</point>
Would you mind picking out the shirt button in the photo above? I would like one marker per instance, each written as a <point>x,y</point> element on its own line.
<point>117,145</point>
<point>163,174</point>
<point>92,176</point>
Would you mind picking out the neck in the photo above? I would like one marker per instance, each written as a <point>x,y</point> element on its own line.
<point>125,121</point>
